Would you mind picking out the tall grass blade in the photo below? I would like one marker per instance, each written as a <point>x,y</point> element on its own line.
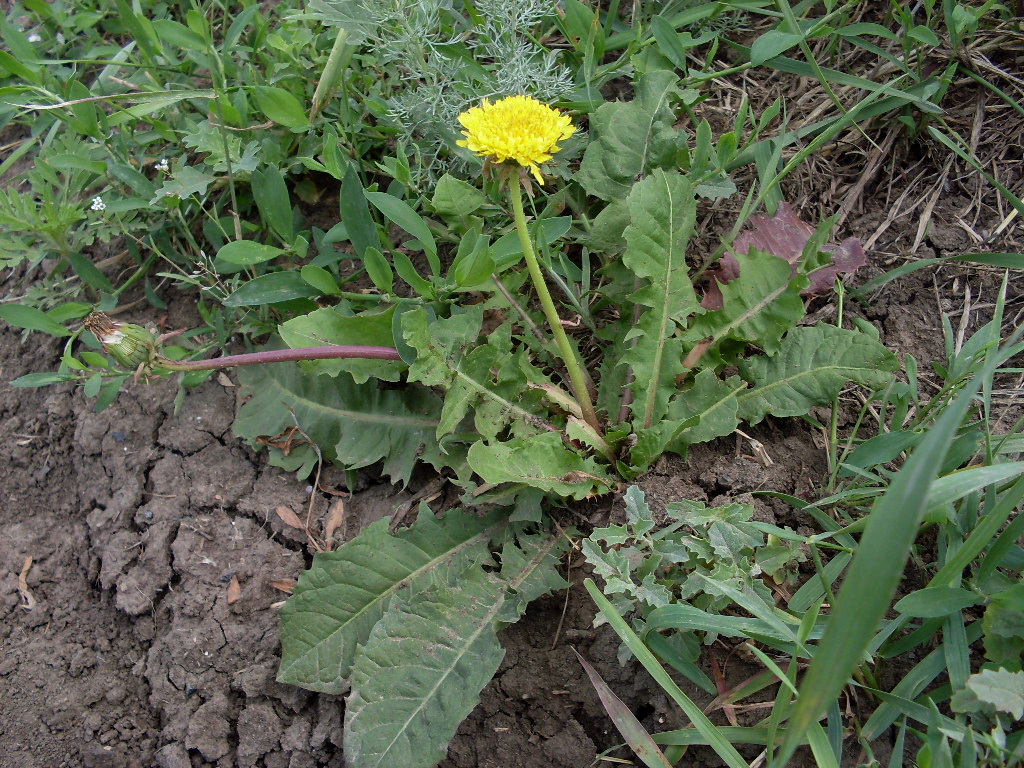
<point>708,730</point>
<point>876,570</point>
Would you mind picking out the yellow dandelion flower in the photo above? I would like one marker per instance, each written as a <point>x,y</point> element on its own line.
<point>518,128</point>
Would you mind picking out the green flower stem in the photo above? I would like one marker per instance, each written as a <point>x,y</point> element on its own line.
<point>572,366</point>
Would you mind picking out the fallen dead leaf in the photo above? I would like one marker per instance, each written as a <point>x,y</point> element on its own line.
<point>234,590</point>
<point>283,585</point>
<point>26,593</point>
<point>224,381</point>
<point>289,518</point>
<point>335,518</point>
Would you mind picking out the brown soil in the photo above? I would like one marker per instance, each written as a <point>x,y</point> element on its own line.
<point>131,526</point>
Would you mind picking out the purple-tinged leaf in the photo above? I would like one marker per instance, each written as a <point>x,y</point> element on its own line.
<point>785,235</point>
<point>632,731</point>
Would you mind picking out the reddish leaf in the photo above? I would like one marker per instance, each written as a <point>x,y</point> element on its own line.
<point>632,730</point>
<point>784,235</point>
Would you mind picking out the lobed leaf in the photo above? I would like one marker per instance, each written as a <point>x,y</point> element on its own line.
<point>327,326</point>
<point>631,139</point>
<point>714,402</point>
<point>759,306</point>
<point>662,210</point>
<point>812,366</point>
<point>541,462</point>
<point>489,379</point>
<point>356,425</point>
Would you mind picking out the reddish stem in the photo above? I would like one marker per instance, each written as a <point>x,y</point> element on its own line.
<point>284,356</point>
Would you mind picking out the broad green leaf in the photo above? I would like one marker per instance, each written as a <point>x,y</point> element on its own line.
<point>280,106</point>
<point>272,288</point>
<point>273,201</point>
<point>1004,627</point>
<point>772,44</point>
<point>345,593</point>
<point>355,425</point>
<point>507,252</point>
<point>358,20</point>
<point>473,262</point>
<point>186,182</point>
<point>321,279</point>
<point>176,33</point>
<point>992,690</point>
<point>328,327</point>
<point>714,402</point>
<point>812,366</point>
<point>455,197</point>
<point>758,307</point>
<point>662,209</point>
<point>631,139</point>
<point>33,319</point>
<point>72,310</point>
<point>540,462</point>
<point>424,664</point>
<point>401,213</point>
<point>41,379</point>
<point>378,270</point>
<point>90,273</point>
<point>607,228</point>
<point>247,252</point>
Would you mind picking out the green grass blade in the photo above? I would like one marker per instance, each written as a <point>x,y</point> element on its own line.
<point>708,730</point>
<point>875,572</point>
<point>981,536</point>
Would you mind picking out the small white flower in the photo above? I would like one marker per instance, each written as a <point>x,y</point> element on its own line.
<point>98,204</point>
<point>163,166</point>
<point>34,37</point>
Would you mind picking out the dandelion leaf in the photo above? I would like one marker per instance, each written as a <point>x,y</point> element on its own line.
<point>713,402</point>
<point>630,139</point>
<point>758,306</point>
<point>540,462</point>
<point>345,593</point>
<point>425,662</point>
<point>813,364</point>
<point>355,425</point>
<point>662,209</point>
<point>488,378</point>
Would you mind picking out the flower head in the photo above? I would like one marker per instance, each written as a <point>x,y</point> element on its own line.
<point>98,204</point>
<point>130,345</point>
<point>518,128</point>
